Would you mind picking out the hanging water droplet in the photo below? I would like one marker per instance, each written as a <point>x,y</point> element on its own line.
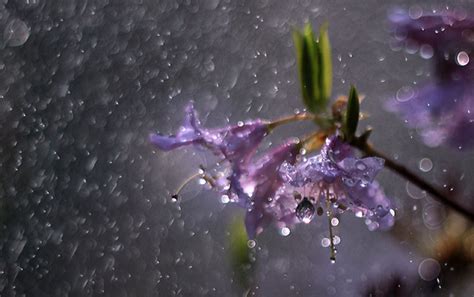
<point>174,198</point>
<point>305,211</point>
<point>320,211</point>
<point>285,231</point>
<point>334,222</point>
<point>336,240</point>
<point>251,244</point>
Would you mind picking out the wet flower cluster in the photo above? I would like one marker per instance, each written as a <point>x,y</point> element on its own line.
<point>285,186</point>
<point>442,110</point>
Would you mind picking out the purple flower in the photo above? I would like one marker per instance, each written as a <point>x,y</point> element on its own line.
<point>259,184</point>
<point>337,177</point>
<point>235,143</point>
<point>251,183</point>
<point>442,110</point>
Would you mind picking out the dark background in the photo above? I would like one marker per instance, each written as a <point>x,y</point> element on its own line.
<point>86,207</point>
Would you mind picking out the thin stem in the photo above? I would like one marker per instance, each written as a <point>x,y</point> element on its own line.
<point>412,177</point>
<point>292,118</point>
<point>331,235</point>
<point>187,181</point>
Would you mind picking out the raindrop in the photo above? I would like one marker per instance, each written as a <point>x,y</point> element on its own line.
<point>405,94</point>
<point>434,216</point>
<point>462,58</point>
<point>429,269</point>
<point>415,12</point>
<point>285,231</point>
<point>336,240</point>
<point>334,222</point>
<point>414,192</point>
<point>325,242</point>
<point>426,165</point>
<point>426,51</point>
<point>305,211</point>
<point>16,33</point>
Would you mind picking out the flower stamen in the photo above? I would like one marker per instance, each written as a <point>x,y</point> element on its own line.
<point>200,174</point>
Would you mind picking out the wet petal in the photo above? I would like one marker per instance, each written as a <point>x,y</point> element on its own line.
<point>372,203</point>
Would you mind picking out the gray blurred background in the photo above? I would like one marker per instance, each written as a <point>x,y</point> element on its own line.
<point>86,208</point>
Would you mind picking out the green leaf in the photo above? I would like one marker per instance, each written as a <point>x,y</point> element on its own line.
<point>304,53</point>
<point>314,67</point>
<point>326,64</point>
<point>240,253</point>
<point>352,114</point>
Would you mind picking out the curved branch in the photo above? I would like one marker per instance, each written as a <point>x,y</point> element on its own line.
<point>368,150</point>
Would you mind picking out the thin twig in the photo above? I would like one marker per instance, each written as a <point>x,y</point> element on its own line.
<point>292,118</point>
<point>368,150</point>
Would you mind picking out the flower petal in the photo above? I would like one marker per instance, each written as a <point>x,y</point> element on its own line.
<point>370,202</point>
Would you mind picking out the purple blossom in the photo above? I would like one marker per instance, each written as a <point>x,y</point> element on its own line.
<point>442,110</point>
<point>251,183</point>
<point>235,143</point>
<point>260,183</point>
<point>346,181</point>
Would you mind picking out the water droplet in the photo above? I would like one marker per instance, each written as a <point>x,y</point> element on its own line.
<point>336,240</point>
<point>434,216</point>
<point>415,12</point>
<point>414,192</point>
<point>16,33</point>
<point>429,269</point>
<point>225,199</point>
<point>334,222</point>
<point>305,211</point>
<point>405,94</point>
<point>202,181</point>
<point>361,166</point>
<point>285,231</point>
<point>462,58</point>
<point>426,51</point>
<point>251,243</point>
<point>240,123</point>
<point>325,242</point>
<point>426,165</point>
<point>320,211</point>
<point>348,181</point>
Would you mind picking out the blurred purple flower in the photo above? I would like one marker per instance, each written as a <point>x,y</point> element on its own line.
<point>442,110</point>
<point>337,176</point>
